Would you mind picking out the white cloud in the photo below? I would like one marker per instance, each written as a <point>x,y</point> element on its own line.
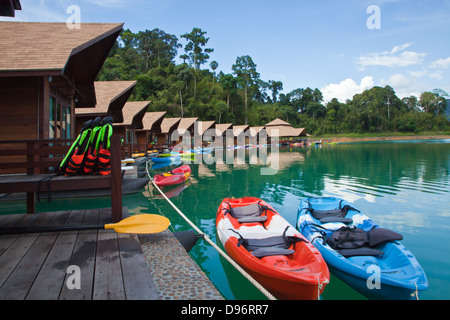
<point>346,89</point>
<point>398,80</point>
<point>404,86</point>
<point>441,63</point>
<point>397,57</point>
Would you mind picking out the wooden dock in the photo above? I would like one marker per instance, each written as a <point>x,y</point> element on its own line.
<point>72,265</point>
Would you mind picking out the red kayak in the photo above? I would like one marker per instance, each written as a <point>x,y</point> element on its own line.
<point>176,176</point>
<point>272,251</point>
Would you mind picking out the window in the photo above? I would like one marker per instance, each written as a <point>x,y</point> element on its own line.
<point>59,118</point>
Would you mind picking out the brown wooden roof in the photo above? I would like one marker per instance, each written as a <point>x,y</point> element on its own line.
<point>222,128</point>
<point>186,124</point>
<point>253,131</point>
<point>8,7</point>
<point>134,112</point>
<point>52,49</point>
<point>169,125</point>
<point>111,98</point>
<point>237,130</point>
<point>202,126</point>
<point>152,121</point>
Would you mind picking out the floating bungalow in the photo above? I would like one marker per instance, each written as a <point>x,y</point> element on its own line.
<point>282,129</point>
<point>254,135</point>
<point>221,132</point>
<point>46,71</point>
<point>151,127</point>
<point>239,135</point>
<point>168,126</point>
<point>185,132</point>
<point>205,133</point>
<point>111,97</point>
<point>133,114</point>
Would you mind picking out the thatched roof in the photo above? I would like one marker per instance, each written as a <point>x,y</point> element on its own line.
<point>285,131</point>
<point>277,122</point>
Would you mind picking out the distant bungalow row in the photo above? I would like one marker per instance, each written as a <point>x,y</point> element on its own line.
<point>48,90</point>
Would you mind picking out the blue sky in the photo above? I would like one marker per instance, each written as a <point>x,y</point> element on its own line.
<point>323,44</point>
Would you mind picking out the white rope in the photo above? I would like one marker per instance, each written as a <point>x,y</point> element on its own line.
<point>415,293</point>
<point>242,271</point>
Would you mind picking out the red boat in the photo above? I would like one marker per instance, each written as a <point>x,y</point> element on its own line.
<point>176,176</point>
<point>272,251</point>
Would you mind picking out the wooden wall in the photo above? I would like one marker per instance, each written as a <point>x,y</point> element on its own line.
<point>19,105</point>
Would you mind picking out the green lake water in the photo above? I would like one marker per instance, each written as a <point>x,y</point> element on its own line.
<point>401,185</point>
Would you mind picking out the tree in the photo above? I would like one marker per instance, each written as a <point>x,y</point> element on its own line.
<point>245,70</point>
<point>275,87</point>
<point>214,65</point>
<point>197,55</point>
<point>411,102</point>
<point>156,45</point>
<point>229,85</point>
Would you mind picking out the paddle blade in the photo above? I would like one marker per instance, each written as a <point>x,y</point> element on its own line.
<point>141,224</point>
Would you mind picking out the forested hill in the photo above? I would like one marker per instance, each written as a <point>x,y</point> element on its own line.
<point>194,87</point>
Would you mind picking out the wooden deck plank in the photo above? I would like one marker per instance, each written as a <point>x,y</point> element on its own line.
<point>138,284</point>
<point>34,266</point>
<point>83,256</point>
<point>49,281</point>
<point>18,245</point>
<point>108,284</point>
<point>19,282</point>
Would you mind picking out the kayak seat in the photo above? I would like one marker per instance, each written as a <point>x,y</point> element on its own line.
<point>270,246</point>
<point>361,251</point>
<point>264,252</point>
<point>352,241</point>
<point>248,214</point>
<point>333,215</point>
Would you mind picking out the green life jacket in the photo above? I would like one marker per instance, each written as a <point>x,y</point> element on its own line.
<point>104,154</point>
<point>91,161</point>
<point>66,166</point>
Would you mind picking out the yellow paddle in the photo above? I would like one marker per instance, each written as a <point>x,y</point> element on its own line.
<point>142,223</point>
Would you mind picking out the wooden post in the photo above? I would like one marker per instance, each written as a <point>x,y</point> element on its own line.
<point>116,180</point>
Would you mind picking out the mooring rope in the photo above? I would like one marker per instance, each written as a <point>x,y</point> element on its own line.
<point>207,239</point>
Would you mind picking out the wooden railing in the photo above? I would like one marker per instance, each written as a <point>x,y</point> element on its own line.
<point>36,160</point>
<point>32,156</point>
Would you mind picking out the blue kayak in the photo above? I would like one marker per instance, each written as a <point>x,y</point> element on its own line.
<point>166,159</point>
<point>370,259</point>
